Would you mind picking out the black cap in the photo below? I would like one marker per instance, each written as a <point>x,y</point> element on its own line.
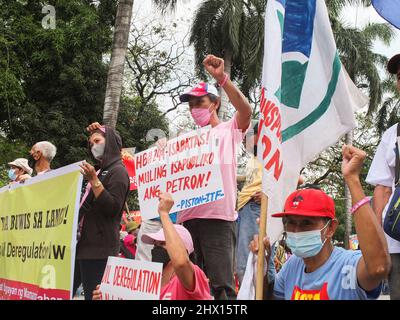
<point>394,64</point>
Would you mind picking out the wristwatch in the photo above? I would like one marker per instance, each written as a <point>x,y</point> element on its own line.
<point>97,184</point>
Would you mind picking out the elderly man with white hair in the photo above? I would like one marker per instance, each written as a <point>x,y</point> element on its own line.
<point>40,157</point>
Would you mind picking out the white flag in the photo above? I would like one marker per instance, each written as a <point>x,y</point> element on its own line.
<point>308,100</point>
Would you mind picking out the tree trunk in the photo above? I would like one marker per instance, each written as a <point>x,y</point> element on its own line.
<point>116,69</point>
<point>347,195</point>
<point>223,110</point>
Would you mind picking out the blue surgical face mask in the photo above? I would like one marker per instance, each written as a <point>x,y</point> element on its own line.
<point>306,244</point>
<point>12,175</point>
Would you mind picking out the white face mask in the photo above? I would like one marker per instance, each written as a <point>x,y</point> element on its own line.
<point>98,150</point>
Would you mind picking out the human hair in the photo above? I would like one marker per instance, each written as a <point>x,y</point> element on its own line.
<point>192,257</point>
<point>325,219</point>
<point>310,186</point>
<point>48,149</point>
<point>98,131</point>
<point>215,99</point>
<point>255,128</point>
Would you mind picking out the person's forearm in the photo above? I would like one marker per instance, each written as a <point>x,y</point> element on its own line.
<point>237,98</point>
<point>269,279</point>
<point>240,102</point>
<point>381,197</point>
<point>175,247</point>
<point>97,191</point>
<point>369,232</point>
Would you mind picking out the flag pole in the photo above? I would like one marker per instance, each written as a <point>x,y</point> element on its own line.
<point>261,249</point>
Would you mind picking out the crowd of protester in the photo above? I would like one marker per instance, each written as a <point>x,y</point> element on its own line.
<point>205,248</point>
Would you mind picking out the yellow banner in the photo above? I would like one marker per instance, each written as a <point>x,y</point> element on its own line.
<point>38,222</point>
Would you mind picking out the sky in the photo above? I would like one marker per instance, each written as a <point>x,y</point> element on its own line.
<point>186,9</point>
<point>361,16</point>
<point>144,9</point>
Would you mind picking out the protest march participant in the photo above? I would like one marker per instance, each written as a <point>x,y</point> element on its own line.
<point>382,175</point>
<point>40,157</point>
<point>143,251</point>
<point>181,279</point>
<point>101,208</point>
<point>282,253</point>
<point>128,243</point>
<point>318,270</point>
<point>18,168</point>
<point>212,225</point>
<point>248,207</point>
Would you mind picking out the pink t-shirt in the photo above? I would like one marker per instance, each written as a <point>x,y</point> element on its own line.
<point>129,244</point>
<point>174,290</point>
<point>229,136</point>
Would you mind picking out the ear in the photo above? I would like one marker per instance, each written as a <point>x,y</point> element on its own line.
<point>215,105</point>
<point>331,229</point>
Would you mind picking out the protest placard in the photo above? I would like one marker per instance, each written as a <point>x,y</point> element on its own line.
<point>353,242</point>
<point>38,221</point>
<point>128,160</point>
<point>132,216</point>
<point>127,279</point>
<point>188,168</point>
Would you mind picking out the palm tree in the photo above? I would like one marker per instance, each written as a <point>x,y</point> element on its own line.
<point>116,69</point>
<point>355,47</point>
<point>164,5</point>
<point>389,113</point>
<point>234,30</point>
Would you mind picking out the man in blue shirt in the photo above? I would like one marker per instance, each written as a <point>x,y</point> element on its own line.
<point>318,270</point>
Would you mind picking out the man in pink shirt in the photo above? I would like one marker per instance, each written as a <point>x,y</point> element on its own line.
<point>181,279</point>
<point>213,225</point>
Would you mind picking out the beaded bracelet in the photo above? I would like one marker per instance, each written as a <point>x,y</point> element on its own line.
<point>224,81</point>
<point>360,204</point>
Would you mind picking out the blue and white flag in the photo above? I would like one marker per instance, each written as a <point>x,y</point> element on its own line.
<point>308,100</point>
<point>388,10</point>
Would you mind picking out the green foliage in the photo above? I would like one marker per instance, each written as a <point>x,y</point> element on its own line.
<point>389,113</point>
<point>232,29</point>
<point>52,82</point>
<point>355,46</point>
<point>325,170</point>
<point>9,151</point>
<point>136,119</point>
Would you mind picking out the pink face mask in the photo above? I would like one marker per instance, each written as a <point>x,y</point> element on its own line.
<point>201,116</point>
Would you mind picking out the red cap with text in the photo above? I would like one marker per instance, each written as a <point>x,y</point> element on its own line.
<point>310,203</point>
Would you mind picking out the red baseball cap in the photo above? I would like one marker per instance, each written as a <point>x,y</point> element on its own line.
<point>202,89</point>
<point>310,203</point>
